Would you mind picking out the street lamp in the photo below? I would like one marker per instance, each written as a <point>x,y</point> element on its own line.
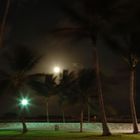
<point>24,102</point>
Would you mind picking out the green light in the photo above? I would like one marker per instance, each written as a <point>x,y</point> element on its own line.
<point>24,102</point>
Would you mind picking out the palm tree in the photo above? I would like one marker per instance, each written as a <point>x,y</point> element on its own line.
<point>44,88</point>
<point>78,89</point>
<point>63,101</point>
<point>15,78</point>
<point>65,90</point>
<point>50,84</point>
<point>85,90</point>
<point>127,46</point>
<point>93,17</point>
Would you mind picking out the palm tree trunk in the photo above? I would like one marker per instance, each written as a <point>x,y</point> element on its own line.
<point>106,131</point>
<point>81,120</point>
<point>47,110</point>
<point>132,101</point>
<point>24,127</point>
<point>2,28</point>
<point>24,130</point>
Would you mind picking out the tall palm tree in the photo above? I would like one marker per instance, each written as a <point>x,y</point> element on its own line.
<point>20,60</point>
<point>90,18</point>
<point>126,45</point>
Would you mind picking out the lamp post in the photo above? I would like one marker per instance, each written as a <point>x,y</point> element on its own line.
<point>24,103</point>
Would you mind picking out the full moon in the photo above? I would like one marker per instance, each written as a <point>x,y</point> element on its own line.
<point>56,70</point>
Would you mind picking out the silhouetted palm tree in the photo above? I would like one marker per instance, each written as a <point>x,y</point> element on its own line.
<point>65,90</point>
<point>86,86</point>
<point>15,78</point>
<point>77,89</point>
<point>91,17</point>
<point>50,83</point>
<point>45,88</point>
<point>126,45</point>
<point>63,102</point>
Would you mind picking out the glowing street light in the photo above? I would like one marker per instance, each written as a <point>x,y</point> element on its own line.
<point>24,102</point>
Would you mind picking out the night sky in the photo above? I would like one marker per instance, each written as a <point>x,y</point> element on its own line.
<point>29,23</point>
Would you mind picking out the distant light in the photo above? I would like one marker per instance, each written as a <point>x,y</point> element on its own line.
<point>24,102</point>
<point>56,70</point>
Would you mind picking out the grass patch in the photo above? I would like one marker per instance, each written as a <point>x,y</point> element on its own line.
<point>62,135</point>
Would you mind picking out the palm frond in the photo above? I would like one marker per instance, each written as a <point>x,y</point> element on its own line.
<point>115,46</point>
<point>21,58</point>
<point>39,87</point>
